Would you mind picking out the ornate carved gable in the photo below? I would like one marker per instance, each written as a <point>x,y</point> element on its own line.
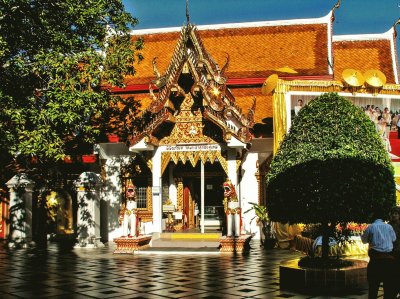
<point>191,102</point>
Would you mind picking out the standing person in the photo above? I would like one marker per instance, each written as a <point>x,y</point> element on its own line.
<point>298,106</point>
<point>367,111</point>
<point>395,223</point>
<point>380,237</point>
<point>387,117</point>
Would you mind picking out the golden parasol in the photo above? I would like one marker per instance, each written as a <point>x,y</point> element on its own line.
<point>269,84</point>
<point>375,78</point>
<point>353,77</point>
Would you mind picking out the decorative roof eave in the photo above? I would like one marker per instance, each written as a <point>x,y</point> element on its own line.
<point>231,82</point>
<point>142,145</point>
<point>242,134</point>
<point>162,116</point>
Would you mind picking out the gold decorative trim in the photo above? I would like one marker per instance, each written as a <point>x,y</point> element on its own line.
<point>238,163</point>
<point>189,125</point>
<point>193,157</point>
<point>180,195</point>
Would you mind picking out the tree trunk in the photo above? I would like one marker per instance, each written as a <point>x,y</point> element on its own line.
<point>325,240</point>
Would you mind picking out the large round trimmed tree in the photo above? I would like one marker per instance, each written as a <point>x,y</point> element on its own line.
<point>331,167</point>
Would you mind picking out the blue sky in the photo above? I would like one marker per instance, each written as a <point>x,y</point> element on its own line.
<point>353,16</point>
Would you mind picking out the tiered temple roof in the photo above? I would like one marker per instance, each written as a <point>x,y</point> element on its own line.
<point>258,49</point>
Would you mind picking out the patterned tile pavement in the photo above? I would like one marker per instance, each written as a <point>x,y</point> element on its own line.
<point>98,273</point>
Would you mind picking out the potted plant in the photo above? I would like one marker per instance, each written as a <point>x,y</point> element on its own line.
<point>113,138</point>
<point>261,216</point>
<point>68,159</point>
<point>89,158</point>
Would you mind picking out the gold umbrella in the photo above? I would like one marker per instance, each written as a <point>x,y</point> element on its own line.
<point>375,78</point>
<point>353,77</point>
<point>269,84</point>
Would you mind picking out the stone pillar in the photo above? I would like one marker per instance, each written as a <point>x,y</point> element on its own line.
<point>232,171</point>
<point>157,183</point>
<point>21,189</point>
<point>88,188</point>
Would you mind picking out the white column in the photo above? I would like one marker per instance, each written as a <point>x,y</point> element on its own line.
<point>157,206</point>
<point>111,193</point>
<point>232,173</point>
<point>202,197</point>
<point>88,188</point>
<point>172,191</point>
<point>21,189</point>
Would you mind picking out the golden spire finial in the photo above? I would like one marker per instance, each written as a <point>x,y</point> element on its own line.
<point>187,12</point>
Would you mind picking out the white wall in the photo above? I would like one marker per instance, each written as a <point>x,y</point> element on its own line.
<point>249,192</point>
<point>111,193</point>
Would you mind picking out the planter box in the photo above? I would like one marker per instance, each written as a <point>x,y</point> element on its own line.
<point>113,138</point>
<point>89,158</point>
<point>323,281</point>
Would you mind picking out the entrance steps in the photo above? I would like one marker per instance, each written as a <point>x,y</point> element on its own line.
<point>187,240</point>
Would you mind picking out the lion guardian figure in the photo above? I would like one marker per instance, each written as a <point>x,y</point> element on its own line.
<point>128,213</point>
<point>232,210</point>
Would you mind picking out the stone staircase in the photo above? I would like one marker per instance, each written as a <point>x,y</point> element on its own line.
<point>186,241</point>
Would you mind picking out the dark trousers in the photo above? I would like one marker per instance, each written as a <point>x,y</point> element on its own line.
<point>381,268</point>
<point>397,271</point>
<point>398,132</point>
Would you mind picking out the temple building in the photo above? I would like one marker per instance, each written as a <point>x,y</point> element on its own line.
<point>216,101</point>
<point>210,114</point>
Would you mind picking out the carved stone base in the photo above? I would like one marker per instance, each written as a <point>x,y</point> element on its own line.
<point>235,244</point>
<point>130,245</point>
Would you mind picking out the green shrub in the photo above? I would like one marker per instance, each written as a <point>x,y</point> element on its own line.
<point>331,167</point>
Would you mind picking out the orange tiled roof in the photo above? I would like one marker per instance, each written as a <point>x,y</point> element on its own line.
<point>363,55</point>
<point>254,51</point>
<point>244,99</point>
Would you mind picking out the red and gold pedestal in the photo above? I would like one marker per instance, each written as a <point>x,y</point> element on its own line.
<point>3,217</point>
<point>235,244</point>
<point>130,245</point>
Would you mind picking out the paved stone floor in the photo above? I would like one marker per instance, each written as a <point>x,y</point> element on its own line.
<point>98,273</point>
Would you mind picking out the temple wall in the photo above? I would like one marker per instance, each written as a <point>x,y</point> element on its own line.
<point>111,194</point>
<point>249,192</point>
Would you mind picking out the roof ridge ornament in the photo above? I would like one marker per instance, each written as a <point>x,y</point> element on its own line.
<point>394,26</point>
<point>187,12</point>
<point>336,6</point>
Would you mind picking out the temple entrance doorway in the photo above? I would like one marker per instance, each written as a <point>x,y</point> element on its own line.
<point>189,196</point>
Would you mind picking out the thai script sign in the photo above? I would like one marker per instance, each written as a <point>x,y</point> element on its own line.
<point>192,148</point>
